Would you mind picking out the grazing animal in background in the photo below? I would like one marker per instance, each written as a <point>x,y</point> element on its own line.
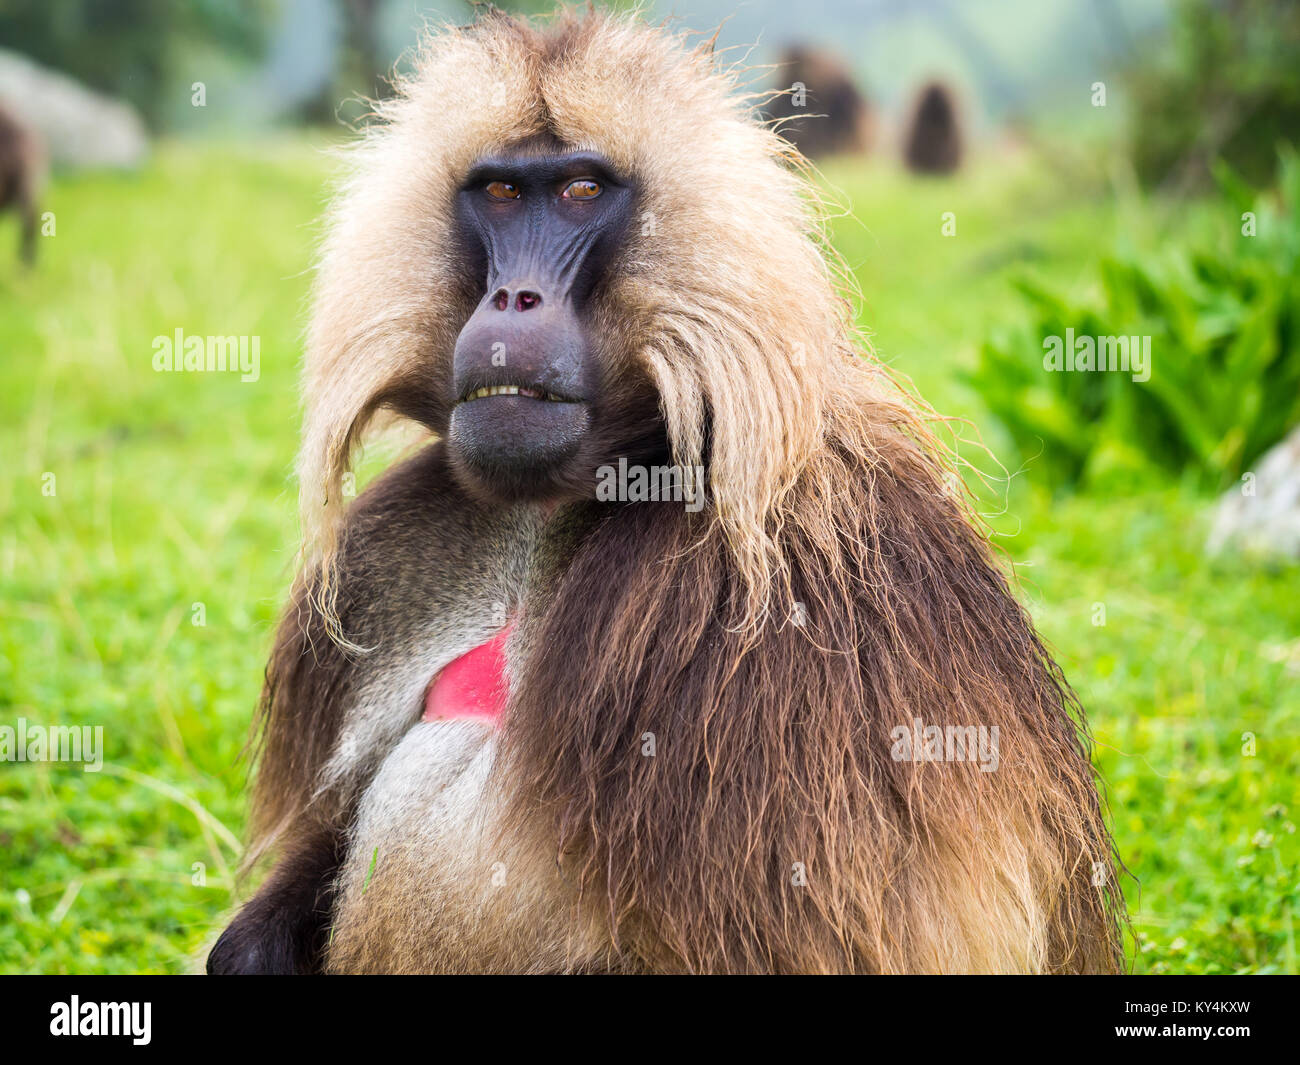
<point>22,165</point>
<point>821,110</point>
<point>933,142</point>
<point>512,725</point>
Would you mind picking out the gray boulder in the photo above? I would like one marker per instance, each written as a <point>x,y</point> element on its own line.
<point>80,128</point>
<point>1261,515</point>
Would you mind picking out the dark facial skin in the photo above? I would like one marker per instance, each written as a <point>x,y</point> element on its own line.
<point>543,228</point>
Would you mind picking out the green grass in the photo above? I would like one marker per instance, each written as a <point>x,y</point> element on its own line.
<point>175,490</point>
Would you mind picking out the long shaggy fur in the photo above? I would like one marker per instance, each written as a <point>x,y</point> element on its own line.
<point>831,590</point>
<point>773,756</point>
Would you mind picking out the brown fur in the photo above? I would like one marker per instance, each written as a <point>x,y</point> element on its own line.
<point>776,750</point>
<point>21,169</point>
<point>826,507</point>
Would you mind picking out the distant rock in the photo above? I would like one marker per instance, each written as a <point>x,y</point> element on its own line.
<point>1261,515</point>
<point>80,128</point>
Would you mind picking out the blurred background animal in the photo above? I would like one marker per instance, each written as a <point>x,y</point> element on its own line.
<point>934,140</point>
<point>22,167</point>
<point>821,109</point>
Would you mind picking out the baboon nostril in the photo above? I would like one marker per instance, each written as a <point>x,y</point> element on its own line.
<point>526,301</point>
<point>501,300</point>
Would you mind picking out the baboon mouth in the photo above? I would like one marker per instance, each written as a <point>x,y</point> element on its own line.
<point>514,440</point>
<point>522,391</point>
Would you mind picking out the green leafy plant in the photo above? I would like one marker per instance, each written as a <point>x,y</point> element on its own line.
<point>1223,317</point>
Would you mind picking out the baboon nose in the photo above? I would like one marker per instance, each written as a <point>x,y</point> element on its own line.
<point>523,299</point>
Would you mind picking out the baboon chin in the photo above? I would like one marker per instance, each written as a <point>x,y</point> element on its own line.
<point>513,725</point>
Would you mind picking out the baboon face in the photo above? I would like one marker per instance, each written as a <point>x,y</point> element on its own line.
<point>530,410</point>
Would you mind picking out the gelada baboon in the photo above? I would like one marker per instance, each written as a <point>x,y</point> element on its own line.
<point>21,167</point>
<point>934,141</point>
<point>821,110</point>
<point>512,726</point>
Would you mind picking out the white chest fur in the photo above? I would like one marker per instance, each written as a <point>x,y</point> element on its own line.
<point>433,883</point>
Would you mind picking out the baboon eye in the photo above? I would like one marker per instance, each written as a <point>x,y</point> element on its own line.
<point>503,190</point>
<point>582,189</point>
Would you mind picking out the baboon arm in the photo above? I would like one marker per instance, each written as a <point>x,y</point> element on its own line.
<point>284,929</point>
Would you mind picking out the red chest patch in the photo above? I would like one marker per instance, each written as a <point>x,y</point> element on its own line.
<point>473,686</point>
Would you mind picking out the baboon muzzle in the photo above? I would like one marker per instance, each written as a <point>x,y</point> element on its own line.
<point>519,374</point>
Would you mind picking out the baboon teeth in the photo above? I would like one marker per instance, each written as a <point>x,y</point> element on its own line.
<point>512,390</point>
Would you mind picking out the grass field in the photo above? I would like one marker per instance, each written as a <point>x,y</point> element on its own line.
<point>134,505</point>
